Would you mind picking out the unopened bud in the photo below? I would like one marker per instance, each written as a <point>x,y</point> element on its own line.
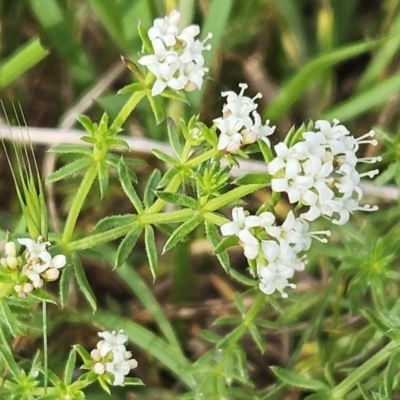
<point>99,368</point>
<point>10,249</point>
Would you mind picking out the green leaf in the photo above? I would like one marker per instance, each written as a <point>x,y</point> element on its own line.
<point>24,58</point>
<point>86,357</point>
<point>83,282</point>
<point>42,295</point>
<point>244,280</point>
<point>87,123</point>
<point>151,185</point>
<point>167,177</point>
<point>182,232</point>
<point>156,107</point>
<point>214,238</point>
<point>178,198</point>
<point>102,174</point>
<point>266,151</point>
<point>70,367</point>
<point>133,382</point>
<point>9,361</point>
<point>297,380</point>
<point>70,148</point>
<point>226,242</point>
<point>165,157</point>
<point>151,250</point>
<point>65,279</point>
<point>296,86</point>
<point>361,102</point>
<point>148,47</point>
<point>10,320</point>
<point>127,244</point>
<point>174,95</point>
<point>391,371</point>
<point>127,186</point>
<point>173,137</point>
<point>61,34</point>
<point>115,220</point>
<point>259,341</point>
<point>69,169</point>
<point>110,15</point>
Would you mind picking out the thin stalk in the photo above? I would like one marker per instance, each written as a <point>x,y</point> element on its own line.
<point>126,110</point>
<point>172,186</point>
<point>340,391</point>
<point>77,203</point>
<point>168,217</point>
<point>45,346</point>
<point>238,332</point>
<point>202,157</point>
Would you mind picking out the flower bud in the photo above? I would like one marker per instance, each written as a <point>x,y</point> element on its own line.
<point>10,249</point>
<point>99,368</point>
<point>12,262</point>
<point>51,274</point>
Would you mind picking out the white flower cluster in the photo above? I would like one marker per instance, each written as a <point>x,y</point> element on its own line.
<point>240,123</point>
<point>277,249</point>
<point>111,356</point>
<point>35,267</point>
<point>177,62</point>
<point>320,172</point>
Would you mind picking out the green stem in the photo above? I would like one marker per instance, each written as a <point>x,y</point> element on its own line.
<point>77,203</point>
<point>340,391</point>
<point>231,196</point>
<point>172,186</point>
<point>202,157</point>
<point>168,217</point>
<point>45,345</point>
<point>115,233</point>
<point>99,238</point>
<point>126,110</point>
<point>238,332</point>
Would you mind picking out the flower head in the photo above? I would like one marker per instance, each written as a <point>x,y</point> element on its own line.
<point>240,123</point>
<point>177,60</point>
<point>111,356</point>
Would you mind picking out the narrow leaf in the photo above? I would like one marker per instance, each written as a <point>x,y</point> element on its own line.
<point>165,157</point>
<point>115,220</point>
<point>151,185</point>
<point>83,282</point>
<point>259,341</point>
<point>127,186</point>
<point>173,137</point>
<point>20,61</point>
<point>226,242</point>
<point>9,318</point>
<point>297,380</point>
<point>214,238</point>
<point>70,148</point>
<point>183,231</point>
<point>127,244</point>
<point>70,367</point>
<point>177,198</point>
<point>102,174</point>
<point>151,250</point>
<point>65,279</point>
<point>69,169</point>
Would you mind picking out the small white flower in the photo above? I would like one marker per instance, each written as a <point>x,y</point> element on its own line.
<point>177,61</point>
<point>240,227</point>
<point>112,342</point>
<point>119,368</point>
<point>240,123</point>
